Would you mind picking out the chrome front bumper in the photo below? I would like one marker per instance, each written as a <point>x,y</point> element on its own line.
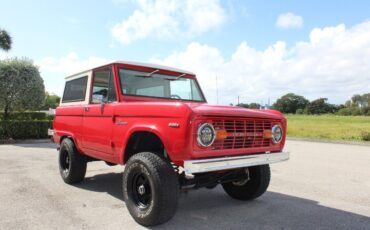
<point>224,163</point>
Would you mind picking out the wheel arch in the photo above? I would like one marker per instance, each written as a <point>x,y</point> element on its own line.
<point>144,140</point>
<point>72,138</point>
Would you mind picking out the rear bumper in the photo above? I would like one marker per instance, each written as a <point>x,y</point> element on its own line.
<point>224,163</point>
<point>50,132</point>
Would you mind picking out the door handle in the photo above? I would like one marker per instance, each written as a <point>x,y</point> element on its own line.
<point>86,108</point>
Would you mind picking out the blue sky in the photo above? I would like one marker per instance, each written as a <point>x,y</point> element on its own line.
<point>230,39</point>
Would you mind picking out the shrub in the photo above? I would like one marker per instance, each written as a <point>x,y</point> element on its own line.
<point>50,117</point>
<point>2,134</point>
<point>365,136</point>
<point>344,112</point>
<point>356,111</point>
<point>24,129</point>
<point>26,116</point>
<point>299,111</point>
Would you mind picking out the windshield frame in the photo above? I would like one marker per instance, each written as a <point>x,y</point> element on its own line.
<point>162,72</point>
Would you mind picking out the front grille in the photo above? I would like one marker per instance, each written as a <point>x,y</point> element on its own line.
<point>242,133</point>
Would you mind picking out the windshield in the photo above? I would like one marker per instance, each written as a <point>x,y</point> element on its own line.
<point>137,83</point>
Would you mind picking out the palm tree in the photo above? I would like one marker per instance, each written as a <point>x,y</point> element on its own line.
<point>5,40</point>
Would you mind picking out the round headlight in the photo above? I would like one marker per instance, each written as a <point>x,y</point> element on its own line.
<point>277,133</point>
<point>206,135</point>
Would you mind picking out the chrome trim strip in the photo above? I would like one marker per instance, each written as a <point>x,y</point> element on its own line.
<point>224,163</point>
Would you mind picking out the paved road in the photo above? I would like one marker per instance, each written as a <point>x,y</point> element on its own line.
<point>323,186</point>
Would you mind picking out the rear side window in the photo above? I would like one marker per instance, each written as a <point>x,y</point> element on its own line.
<point>75,90</point>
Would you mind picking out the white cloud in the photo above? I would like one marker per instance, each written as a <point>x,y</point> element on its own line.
<point>289,20</point>
<point>204,15</point>
<point>333,63</point>
<point>69,64</point>
<point>54,69</point>
<point>169,19</point>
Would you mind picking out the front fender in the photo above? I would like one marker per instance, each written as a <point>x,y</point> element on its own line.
<point>141,128</point>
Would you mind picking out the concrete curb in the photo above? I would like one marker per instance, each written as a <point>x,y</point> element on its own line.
<point>328,141</point>
<point>26,141</point>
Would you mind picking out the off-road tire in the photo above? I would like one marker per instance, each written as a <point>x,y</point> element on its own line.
<point>161,182</point>
<point>259,180</point>
<point>74,171</point>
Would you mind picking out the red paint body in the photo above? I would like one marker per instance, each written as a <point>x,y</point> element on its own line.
<point>96,133</point>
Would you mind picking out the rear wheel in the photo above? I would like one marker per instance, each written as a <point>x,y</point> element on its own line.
<point>150,189</point>
<point>255,183</point>
<point>72,165</point>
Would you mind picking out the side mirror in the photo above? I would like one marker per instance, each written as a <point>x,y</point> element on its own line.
<point>98,98</point>
<point>103,100</point>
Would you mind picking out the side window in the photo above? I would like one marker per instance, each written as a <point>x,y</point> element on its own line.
<point>103,87</point>
<point>75,90</point>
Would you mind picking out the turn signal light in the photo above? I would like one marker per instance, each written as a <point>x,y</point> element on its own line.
<point>267,134</point>
<point>221,134</point>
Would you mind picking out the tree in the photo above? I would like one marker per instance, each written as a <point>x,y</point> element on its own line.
<point>361,101</point>
<point>51,101</point>
<point>320,106</point>
<point>21,86</point>
<point>358,105</point>
<point>290,103</point>
<point>5,40</point>
<point>250,106</point>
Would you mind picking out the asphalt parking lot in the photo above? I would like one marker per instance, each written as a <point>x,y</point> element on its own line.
<point>323,186</point>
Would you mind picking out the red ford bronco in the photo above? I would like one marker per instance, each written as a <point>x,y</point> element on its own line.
<point>156,121</point>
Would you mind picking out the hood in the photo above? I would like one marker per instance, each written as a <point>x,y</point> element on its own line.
<point>232,111</point>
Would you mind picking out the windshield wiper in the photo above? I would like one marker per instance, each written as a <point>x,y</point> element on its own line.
<point>177,78</point>
<point>148,74</point>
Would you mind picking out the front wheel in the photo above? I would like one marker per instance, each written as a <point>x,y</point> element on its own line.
<point>150,189</point>
<point>255,183</point>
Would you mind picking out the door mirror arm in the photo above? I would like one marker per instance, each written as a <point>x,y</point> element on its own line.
<point>103,101</point>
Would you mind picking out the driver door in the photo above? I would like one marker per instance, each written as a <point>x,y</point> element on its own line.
<point>98,114</point>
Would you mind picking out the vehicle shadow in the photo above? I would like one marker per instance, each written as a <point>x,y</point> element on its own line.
<point>109,183</point>
<point>213,209</point>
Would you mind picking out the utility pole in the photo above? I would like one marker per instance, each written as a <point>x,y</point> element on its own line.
<point>238,100</point>
<point>216,89</point>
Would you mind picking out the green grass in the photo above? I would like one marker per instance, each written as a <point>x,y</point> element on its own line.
<point>331,127</point>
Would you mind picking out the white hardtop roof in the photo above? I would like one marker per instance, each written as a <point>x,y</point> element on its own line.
<point>154,66</point>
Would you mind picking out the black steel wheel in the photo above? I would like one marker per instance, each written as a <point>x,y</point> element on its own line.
<point>150,189</point>
<point>141,190</point>
<point>72,165</point>
<point>64,162</point>
<point>253,185</point>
